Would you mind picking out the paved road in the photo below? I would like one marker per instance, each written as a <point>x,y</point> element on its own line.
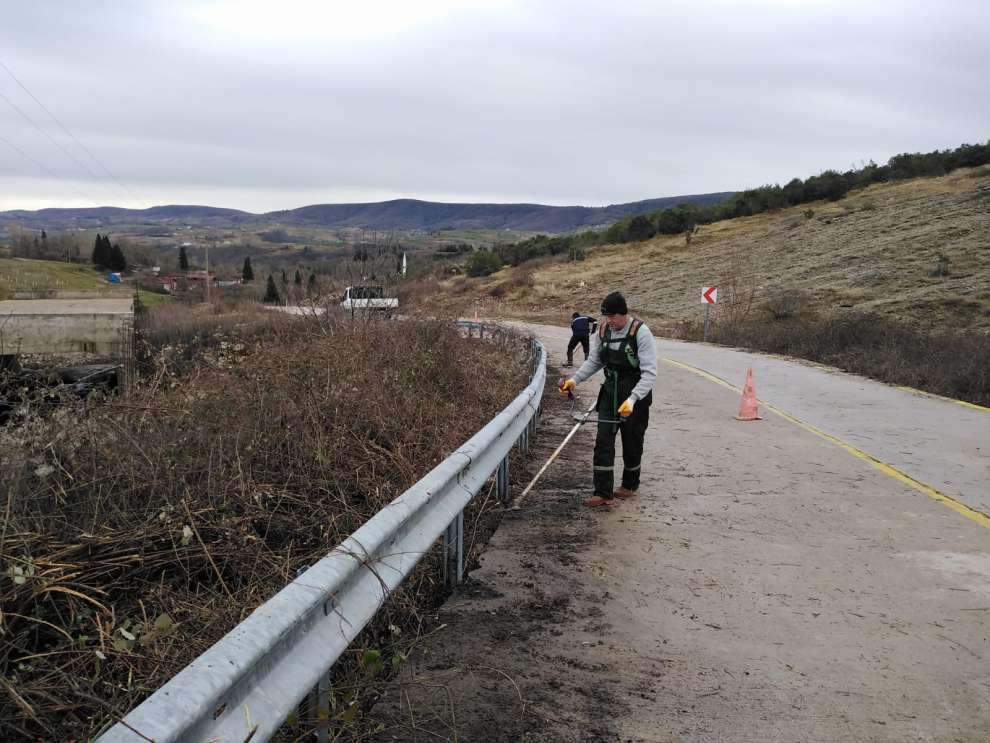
<point>766,585</point>
<point>943,444</point>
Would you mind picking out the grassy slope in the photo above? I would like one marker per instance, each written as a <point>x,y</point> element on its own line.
<point>23,275</point>
<point>874,250</point>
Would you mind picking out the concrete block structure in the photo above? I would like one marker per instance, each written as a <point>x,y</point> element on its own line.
<point>66,328</point>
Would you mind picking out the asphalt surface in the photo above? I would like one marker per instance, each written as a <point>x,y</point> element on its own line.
<point>813,576</point>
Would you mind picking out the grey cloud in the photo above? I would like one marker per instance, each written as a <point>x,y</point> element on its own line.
<point>554,102</point>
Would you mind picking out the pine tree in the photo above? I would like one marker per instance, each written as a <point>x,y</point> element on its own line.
<point>247,273</point>
<point>285,280</point>
<point>298,279</point>
<point>183,260</point>
<point>311,285</point>
<point>101,251</point>
<point>271,293</point>
<point>117,261</point>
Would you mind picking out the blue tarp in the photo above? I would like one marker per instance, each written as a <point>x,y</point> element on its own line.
<point>113,278</point>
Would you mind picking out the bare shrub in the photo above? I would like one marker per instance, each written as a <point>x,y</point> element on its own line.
<point>173,335</point>
<point>139,532</point>
<point>736,292</point>
<point>521,278</point>
<point>417,292</point>
<point>954,364</point>
<point>786,305</point>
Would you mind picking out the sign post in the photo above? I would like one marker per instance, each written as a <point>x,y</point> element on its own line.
<point>709,296</point>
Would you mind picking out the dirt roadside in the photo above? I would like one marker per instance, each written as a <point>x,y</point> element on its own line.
<point>500,667</point>
<point>764,586</point>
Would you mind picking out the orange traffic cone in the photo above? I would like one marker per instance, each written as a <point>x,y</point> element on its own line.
<point>748,410</point>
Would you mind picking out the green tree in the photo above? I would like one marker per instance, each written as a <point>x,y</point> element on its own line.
<point>298,279</point>
<point>640,228</point>
<point>483,263</point>
<point>271,292</point>
<point>183,260</point>
<point>311,287</point>
<point>247,273</point>
<point>101,258</point>
<point>117,261</point>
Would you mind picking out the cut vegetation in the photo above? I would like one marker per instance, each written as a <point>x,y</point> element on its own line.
<point>137,533</point>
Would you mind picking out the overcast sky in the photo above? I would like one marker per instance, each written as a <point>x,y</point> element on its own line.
<point>271,104</point>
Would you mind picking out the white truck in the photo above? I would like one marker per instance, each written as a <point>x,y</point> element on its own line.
<point>368,298</point>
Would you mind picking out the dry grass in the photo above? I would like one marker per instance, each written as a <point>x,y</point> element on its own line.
<point>137,532</point>
<point>874,251</point>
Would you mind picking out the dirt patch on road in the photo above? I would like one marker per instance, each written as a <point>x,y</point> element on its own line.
<point>516,653</point>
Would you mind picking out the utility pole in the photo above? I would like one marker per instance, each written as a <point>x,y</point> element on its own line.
<point>207,245</point>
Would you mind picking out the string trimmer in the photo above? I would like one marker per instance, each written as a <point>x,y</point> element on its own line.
<point>581,419</point>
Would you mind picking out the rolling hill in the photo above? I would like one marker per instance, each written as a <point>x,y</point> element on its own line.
<point>398,214</point>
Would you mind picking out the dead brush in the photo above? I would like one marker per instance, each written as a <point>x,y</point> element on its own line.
<point>951,363</point>
<point>137,534</point>
<point>175,335</point>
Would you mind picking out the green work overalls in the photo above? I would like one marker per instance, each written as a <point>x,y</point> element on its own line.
<point>621,366</point>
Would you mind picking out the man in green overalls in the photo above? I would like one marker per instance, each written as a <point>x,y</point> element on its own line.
<point>625,349</point>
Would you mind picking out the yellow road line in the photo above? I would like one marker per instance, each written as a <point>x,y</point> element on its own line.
<point>961,508</point>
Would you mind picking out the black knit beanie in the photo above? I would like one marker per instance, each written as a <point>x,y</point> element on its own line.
<point>614,304</point>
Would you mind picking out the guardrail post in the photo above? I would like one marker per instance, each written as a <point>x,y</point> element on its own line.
<point>319,708</point>
<point>453,549</point>
<point>502,481</point>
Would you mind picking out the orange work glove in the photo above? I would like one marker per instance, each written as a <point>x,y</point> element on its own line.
<point>567,386</point>
<point>625,409</point>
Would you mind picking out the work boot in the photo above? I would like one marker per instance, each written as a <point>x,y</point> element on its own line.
<point>597,501</point>
<point>624,493</point>
<point>570,361</point>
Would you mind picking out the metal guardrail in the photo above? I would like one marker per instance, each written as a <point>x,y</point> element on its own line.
<point>246,685</point>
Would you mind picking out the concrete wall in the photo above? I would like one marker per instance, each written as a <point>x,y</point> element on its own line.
<point>71,329</point>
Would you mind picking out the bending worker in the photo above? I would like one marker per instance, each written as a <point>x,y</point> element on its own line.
<point>625,349</point>
<point>581,329</point>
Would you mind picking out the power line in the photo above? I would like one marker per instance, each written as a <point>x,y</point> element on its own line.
<point>65,129</point>
<point>42,166</point>
<point>49,136</point>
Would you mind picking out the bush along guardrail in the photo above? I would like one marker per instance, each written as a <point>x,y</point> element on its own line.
<point>246,685</point>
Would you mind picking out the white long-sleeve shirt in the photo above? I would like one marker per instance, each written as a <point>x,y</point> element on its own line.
<point>647,351</point>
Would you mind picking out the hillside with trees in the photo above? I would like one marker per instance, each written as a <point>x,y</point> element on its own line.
<point>830,185</point>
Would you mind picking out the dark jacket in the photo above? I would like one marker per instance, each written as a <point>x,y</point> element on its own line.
<point>583,326</point>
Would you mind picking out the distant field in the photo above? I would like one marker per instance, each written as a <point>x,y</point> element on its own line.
<point>23,275</point>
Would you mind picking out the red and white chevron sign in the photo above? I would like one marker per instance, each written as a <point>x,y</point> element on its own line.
<point>709,294</point>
